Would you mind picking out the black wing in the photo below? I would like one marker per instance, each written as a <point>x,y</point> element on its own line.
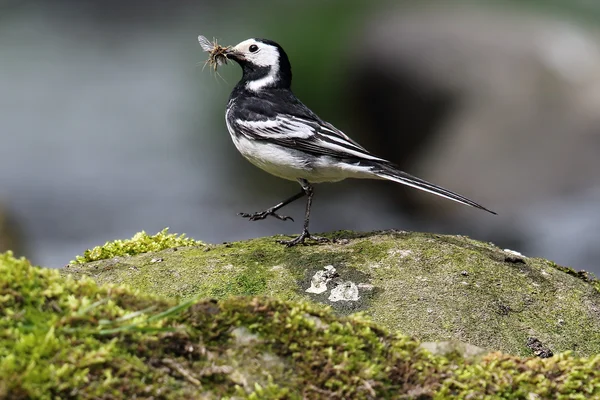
<point>289,123</point>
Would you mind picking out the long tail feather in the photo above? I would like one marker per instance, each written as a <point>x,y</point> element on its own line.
<point>392,173</point>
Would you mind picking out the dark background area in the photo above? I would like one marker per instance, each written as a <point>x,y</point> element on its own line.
<point>109,125</point>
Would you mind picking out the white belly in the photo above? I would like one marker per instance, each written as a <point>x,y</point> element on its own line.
<point>271,158</point>
<point>291,164</point>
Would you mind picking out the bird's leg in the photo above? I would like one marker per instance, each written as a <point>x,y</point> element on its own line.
<point>271,211</point>
<point>308,189</point>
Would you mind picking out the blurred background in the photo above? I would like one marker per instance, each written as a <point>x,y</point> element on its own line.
<point>109,125</point>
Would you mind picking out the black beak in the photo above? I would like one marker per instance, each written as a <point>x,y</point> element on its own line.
<point>231,54</point>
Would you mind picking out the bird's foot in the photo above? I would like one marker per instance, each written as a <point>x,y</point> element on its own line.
<point>264,214</point>
<point>301,239</point>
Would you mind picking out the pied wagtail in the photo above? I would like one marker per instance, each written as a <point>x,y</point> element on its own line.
<point>277,133</point>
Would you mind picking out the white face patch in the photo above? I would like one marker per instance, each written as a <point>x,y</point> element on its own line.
<point>264,55</point>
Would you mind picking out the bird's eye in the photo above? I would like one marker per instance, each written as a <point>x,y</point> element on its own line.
<point>253,48</point>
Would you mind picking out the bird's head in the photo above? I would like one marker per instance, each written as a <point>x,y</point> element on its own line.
<point>264,64</point>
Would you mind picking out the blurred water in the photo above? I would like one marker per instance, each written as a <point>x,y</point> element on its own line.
<point>94,131</point>
<point>109,126</point>
<point>105,134</point>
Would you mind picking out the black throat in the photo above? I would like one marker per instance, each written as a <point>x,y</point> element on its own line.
<point>252,72</point>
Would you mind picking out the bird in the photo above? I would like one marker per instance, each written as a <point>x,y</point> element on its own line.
<point>276,132</point>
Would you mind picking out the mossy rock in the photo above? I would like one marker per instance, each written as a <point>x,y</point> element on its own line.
<point>67,339</point>
<point>432,287</point>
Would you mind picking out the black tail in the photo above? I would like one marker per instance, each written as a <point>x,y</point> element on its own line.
<point>392,173</point>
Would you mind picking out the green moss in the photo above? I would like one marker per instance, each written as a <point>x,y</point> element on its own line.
<point>140,243</point>
<point>585,276</point>
<point>433,287</point>
<point>250,281</point>
<point>61,338</point>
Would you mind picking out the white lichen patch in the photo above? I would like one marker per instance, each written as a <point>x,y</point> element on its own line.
<point>244,337</point>
<point>513,252</point>
<point>318,283</point>
<point>347,291</point>
<point>400,253</point>
<point>342,290</point>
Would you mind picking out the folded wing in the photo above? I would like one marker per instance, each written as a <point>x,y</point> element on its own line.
<point>314,137</point>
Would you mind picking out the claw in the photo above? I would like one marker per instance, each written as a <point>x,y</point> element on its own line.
<point>301,239</point>
<point>264,214</point>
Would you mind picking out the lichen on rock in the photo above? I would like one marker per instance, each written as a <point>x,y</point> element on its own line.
<point>433,287</point>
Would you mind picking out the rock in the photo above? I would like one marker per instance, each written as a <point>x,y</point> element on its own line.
<point>464,350</point>
<point>538,348</point>
<point>432,287</point>
<point>110,342</point>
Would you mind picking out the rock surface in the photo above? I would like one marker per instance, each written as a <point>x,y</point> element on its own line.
<point>74,339</point>
<point>433,287</point>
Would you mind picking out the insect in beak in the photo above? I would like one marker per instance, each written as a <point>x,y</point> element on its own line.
<point>218,54</point>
